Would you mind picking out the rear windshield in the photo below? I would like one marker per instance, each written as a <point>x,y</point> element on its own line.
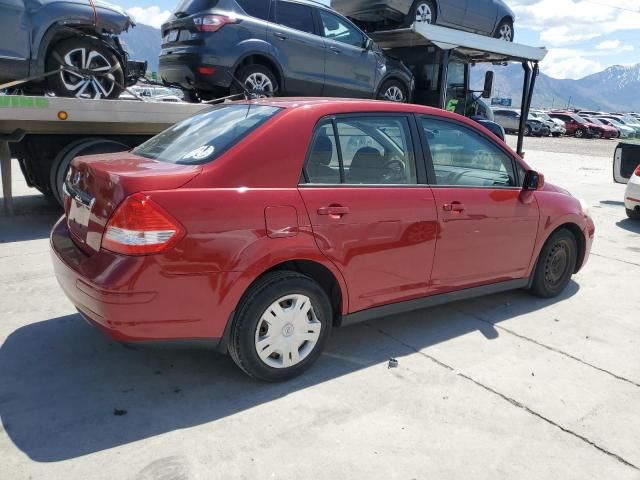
<point>205,136</point>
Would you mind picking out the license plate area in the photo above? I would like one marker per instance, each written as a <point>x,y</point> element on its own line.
<point>172,36</point>
<point>78,218</point>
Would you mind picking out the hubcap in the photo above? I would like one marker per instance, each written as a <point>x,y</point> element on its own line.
<point>394,94</point>
<point>555,267</point>
<point>90,86</point>
<point>288,331</point>
<point>424,13</point>
<point>259,83</point>
<point>506,33</point>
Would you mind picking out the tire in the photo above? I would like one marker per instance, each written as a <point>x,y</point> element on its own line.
<point>504,30</point>
<point>422,11</point>
<point>258,79</point>
<point>633,214</point>
<point>393,91</point>
<point>250,331</point>
<point>527,131</point>
<point>579,134</point>
<point>89,54</point>
<point>555,265</point>
<point>85,146</point>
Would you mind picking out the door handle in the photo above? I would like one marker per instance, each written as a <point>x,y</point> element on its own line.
<point>334,211</point>
<point>453,207</point>
<point>335,50</point>
<point>281,36</point>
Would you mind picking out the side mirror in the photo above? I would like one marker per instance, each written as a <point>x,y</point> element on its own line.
<point>368,44</point>
<point>625,161</point>
<point>487,91</point>
<point>533,180</point>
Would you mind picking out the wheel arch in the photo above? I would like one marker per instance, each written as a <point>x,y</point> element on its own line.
<point>502,19</point>
<point>326,278</point>
<point>581,242</point>
<point>264,59</point>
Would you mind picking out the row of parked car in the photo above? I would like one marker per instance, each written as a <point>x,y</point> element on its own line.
<point>580,123</point>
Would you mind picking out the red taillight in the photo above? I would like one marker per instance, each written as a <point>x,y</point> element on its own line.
<point>637,172</point>
<point>212,23</point>
<point>140,227</point>
<point>202,70</point>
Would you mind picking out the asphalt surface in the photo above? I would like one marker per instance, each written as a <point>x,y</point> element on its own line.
<point>504,387</point>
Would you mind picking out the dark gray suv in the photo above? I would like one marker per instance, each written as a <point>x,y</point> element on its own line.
<point>40,35</point>
<point>279,47</point>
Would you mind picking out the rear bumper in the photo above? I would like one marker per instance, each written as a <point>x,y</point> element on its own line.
<point>136,299</point>
<point>182,70</point>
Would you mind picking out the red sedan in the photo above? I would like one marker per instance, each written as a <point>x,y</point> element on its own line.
<point>261,225</point>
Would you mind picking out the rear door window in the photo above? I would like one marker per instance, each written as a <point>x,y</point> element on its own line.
<point>256,8</point>
<point>368,150</point>
<point>296,16</point>
<point>205,136</point>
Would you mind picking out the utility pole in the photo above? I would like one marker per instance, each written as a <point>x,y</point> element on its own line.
<point>569,102</point>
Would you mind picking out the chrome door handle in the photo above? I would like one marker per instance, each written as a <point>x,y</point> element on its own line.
<point>334,211</point>
<point>453,207</point>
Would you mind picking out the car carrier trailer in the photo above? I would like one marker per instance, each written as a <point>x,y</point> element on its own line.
<point>46,133</point>
<point>441,59</point>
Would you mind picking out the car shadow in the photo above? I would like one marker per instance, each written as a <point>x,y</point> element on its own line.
<point>32,219</point>
<point>629,225</point>
<point>614,203</point>
<point>67,391</point>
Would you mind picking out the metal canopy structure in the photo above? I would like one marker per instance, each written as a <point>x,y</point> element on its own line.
<point>471,48</point>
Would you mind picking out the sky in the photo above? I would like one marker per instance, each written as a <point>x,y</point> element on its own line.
<point>582,36</point>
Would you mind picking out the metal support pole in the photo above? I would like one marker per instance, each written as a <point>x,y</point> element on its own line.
<point>524,109</point>
<point>5,170</point>
<point>444,78</point>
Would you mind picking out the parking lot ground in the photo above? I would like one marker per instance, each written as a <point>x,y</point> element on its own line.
<point>503,387</point>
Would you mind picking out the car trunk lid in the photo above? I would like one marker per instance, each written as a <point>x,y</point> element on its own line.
<point>97,184</point>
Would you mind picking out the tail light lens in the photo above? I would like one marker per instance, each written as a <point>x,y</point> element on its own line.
<point>637,172</point>
<point>212,23</point>
<point>139,226</point>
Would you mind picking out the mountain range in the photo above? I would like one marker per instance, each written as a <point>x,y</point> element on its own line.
<point>615,89</point>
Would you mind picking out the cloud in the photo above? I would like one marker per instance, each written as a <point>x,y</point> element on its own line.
<point>153,15</point>
<point>564,22</point>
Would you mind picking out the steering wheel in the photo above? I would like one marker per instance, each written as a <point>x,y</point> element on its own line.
<point>483,159</point>
<point>395,171</point>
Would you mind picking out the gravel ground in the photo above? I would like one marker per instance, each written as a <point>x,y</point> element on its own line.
<point>503,387</point>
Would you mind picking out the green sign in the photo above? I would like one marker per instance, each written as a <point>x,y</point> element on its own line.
<point>19,101</point>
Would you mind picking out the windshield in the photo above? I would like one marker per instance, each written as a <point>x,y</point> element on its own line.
<point>595,120</point>
<point>578,119</point>
<point>205,136</point>
<point>614,122</point>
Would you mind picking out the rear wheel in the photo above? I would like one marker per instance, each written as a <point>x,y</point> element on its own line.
<point>422,12</point>
<point>505,30</point>
<point>579,134</point>
<point>102,73</point>
<point>555,265</point>
<point>257,79</point>
<point>393,91</point>
<point>633,214</point>
<point>527,130</point>
<point>281,326</point>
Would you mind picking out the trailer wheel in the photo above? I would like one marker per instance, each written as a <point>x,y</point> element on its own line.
<point>393,91</point>
<point>85,146</point>
<point>101,65</point>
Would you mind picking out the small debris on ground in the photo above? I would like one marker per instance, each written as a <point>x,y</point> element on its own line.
<point>119,412</point>
<point>393,363</point>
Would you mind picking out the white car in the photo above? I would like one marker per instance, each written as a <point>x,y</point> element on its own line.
<point>557,126</point>
<point>626,169</point>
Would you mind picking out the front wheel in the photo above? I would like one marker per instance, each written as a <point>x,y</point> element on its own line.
<point>281,326</point>
<point>527,131</point>
<point>99,72</point>
<point>633,214</point>
<point>556,264</point>
<point>393,91</point>
<point>505,30</point>
<point>579,134</point>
